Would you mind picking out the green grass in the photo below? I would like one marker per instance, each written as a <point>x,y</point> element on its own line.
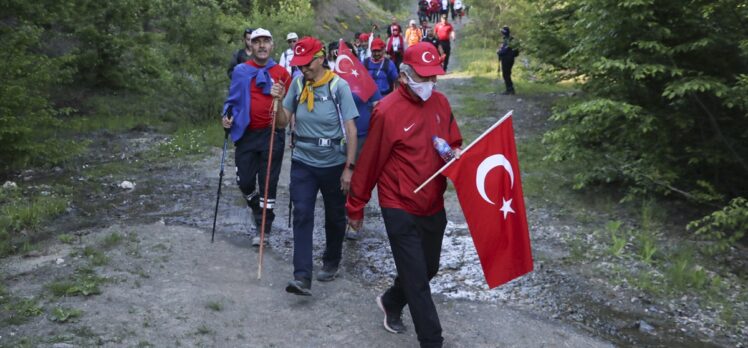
<point>83,283</point>
<point>22,215</point>
<point>111,240</point>
<point>66,238</point>
<point>204,330</point>
<point>96,257</point>
<point>479,62</point>
<point>189,140</point>
<point>618,237</point>
<point>64,314</point>
<point>111,168</point>
<point>115,113</point>
<point>214,306</point>
<point>20,311</point>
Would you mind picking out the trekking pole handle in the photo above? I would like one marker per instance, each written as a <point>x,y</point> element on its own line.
<point>230,114</point>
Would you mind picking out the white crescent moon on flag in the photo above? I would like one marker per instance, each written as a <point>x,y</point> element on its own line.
<point>489,163</point>
<point>340,59</point>
<point>423,57</point>
<point>298,50</point>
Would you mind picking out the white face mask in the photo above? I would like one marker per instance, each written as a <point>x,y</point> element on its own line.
<point>422,89</point>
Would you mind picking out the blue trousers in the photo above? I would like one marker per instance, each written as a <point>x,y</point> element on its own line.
<point>306,182</point>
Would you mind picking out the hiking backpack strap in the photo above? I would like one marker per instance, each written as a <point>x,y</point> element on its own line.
<point>333,94</point>
<point>332,90</point>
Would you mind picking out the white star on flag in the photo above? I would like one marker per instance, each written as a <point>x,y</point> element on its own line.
<point>354,72</point>
<point>506,207</point>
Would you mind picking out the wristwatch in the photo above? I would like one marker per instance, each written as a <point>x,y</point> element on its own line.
<point>351,166</point>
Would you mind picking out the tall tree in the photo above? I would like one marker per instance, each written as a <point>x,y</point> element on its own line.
<point>666,106</point>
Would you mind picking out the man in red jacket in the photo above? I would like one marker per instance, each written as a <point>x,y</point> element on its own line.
<point>445,32</point>
<point>398,156</point>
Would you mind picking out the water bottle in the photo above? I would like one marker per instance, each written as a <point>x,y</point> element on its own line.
<point>443,148</point>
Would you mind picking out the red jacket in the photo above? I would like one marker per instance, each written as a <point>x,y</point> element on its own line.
<point>399,154</point>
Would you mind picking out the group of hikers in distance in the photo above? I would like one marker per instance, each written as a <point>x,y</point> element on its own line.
<point>343,144</point>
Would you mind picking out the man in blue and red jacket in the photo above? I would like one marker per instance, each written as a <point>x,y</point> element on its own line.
<point>398,156</point>
<point>254,85</point>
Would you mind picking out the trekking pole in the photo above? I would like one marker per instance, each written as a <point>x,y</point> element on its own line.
<point>226,132</point>
<point>267,184</point>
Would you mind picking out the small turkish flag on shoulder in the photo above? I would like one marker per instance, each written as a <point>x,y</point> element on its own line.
<point>487,180</point>
<point>352,71</point>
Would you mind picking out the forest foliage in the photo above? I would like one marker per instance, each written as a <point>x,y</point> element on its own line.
<point>160,59</point>
<point>664,108</point>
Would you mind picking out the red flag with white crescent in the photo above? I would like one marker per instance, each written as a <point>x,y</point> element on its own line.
<point>352,71</point>
<point>488,184</point>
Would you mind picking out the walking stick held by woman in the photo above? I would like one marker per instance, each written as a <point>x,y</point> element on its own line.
<point>276,102</point>
<point>226,131</point>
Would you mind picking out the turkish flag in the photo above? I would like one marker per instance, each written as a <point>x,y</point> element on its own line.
<point>487,180</point>
<point>352,71</point>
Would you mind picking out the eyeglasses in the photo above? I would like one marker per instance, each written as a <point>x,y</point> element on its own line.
<point>291,41</point>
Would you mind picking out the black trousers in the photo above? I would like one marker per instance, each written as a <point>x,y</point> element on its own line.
<point>447,47</point>
<point>251,157</point>
<point>506,72</point>
<point>416,243</point>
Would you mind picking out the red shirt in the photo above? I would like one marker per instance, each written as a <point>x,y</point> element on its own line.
<point>261,104</point>
<point>399,154</point>
<point>443,31</point>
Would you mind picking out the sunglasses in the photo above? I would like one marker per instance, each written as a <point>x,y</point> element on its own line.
<point>291,41</point>
<point>308,64</point>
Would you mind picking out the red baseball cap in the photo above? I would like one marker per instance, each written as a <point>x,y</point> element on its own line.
<point>304,50</point>
<point>424,58</point>
<point>364,37</point>
<point>377,44</point>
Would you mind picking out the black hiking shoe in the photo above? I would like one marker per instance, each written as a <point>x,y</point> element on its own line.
<point>393,321</point>
<point>509,92</point>
<point>327,273</point>
<point>299,287</point>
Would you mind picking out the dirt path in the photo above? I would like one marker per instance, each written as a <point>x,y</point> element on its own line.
<point>166,285</point>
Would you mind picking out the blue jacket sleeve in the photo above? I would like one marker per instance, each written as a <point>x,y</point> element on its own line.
<point>238,99</point>
<point>392,73</point>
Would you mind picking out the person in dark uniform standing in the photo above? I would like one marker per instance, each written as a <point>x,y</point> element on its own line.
<point>507,51</point>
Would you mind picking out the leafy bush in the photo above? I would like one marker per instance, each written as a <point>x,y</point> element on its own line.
<point>165,60</point>
<point>666,93</point>
<point>27,118</point>
<point>725,227</point>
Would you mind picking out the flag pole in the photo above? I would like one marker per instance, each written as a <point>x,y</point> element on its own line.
<point>508,114</point>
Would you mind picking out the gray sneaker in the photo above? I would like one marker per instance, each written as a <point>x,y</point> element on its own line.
<point>256,241</point>
<point>327,273</point>
<point>352,234</point>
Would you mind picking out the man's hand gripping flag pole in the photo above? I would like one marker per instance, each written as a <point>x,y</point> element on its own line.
<point>508,114</point>
<point>493,203</point>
